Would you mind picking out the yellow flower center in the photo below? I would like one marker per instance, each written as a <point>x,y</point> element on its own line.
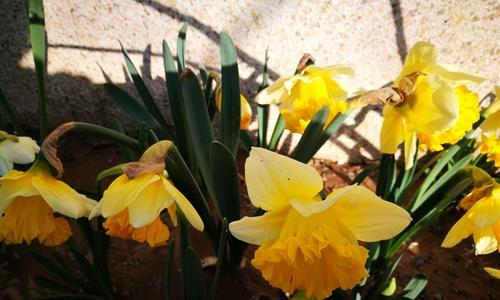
<point>155,234</point>
<point>29,218</point>
<point>490,145</point>
<point>317,254</point>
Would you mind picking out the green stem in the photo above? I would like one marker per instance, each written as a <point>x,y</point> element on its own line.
<point>105,132</point>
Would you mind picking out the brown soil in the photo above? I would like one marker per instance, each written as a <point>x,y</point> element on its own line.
<point>138,270</point>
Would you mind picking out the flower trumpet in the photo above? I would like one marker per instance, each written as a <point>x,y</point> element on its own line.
<point>306,243</point>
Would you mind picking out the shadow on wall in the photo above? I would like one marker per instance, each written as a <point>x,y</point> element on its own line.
<point>73,97</point>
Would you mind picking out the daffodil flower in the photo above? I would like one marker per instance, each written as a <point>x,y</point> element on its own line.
<point>306,243</point>
<point>245,108</point>
<point>482,218</point>
<point>28,202</point>
<point>301,96</point>
<point>490,140</point>
<point>15,150</point>
<point>133,202</point>
<point>437,107</point>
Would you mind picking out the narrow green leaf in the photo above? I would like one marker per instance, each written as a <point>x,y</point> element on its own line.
<point>176,103</point>
<point>192,275</point>
<point>199,127</point>
<point>184,180</point>
<point>132,108</point>
<point>265,72</point>
<point>387,176</point>
<point>330,130</point>
<point>146,96</point>
<point>110,172</point>
<point>416,286</point>
<point>279,127</point>
<point>142,137</point>
<point>181,47</point>
<point>311,135</point>
<point>230,111</point>
<point>225,177</point>
<point>220,258</point>
<point>263,119</point>
<point>36,19</point>
<point>169,280</point>
<point>9,112</point>
<point>105,132</point>
<point>390,289</point>
<point>363,174</point>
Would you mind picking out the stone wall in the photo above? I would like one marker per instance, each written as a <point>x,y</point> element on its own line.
<point>372,36</point>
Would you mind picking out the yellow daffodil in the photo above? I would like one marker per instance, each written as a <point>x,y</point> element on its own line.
<point>490,140</point>
<point>482,216</point>
<point>245,108</point>
<point>16,150</point>
<point>301,96</point>
<point>436,106</point>
<point>28,201</point>
<point>493,272</point>
<point>307,243</point>
<point>133,202</point>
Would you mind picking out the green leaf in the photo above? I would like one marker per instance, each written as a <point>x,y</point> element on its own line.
<point>176,103</point>
<point>225,177</point>
<point>304,150</point>
<point>220,258</point>
<point>169,280</point>
<point>192,274</point>
<point>110,172</point>
<point>146,96</point>
<point>181,47</point>
<point>9,112</point>
<point>230,111</point>
<point>387,176</point>
<point>416,285</point>
<point>126,153</point>
<point>363,174</point>
<point>279,127</point>
<point>263,119</point>
<point>245,140</point>
<point>184,180</point>
<point>438,183</point>
<point>199,127</point>
<point>36,19</point>
<point>330,130</point>
<point>105,132</point>
<point>265,73</point>
<point>132,107</point>
<point>390,289</point>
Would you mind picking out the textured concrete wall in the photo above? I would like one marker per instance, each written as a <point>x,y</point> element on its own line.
<point>373,36</point>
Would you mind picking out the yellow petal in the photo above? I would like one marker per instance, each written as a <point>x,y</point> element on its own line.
<point>410,148</point>
<point>60,196</point>
<point>121,193</point>
<point>184,205</point>
<point>148,205</point>
<point>257,230</point>
<point>246,113</point>
<point>485,240</point>
<point>392,132</point>
<point>486,211</point>
<point>434,106</point>
<point>420,57</point>
<point>461,230</point>
<point>15,184</point>
<point>492,122</point>
<point>367,216</point>
<point>273,179</point>
<point>493,272</point>
<point>329,71</point>
<point>273,93</point>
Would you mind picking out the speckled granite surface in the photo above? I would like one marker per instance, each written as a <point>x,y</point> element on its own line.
<point>370,35</point>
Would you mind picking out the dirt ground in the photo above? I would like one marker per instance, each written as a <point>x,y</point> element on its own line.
<point>138,270</point>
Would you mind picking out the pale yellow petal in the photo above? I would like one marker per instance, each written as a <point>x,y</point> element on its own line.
<point>420,57</point>
<point>184,205</point>
<point>492,122</point>
<point>14,184</point>
<point>493,272</point>
<point>461,230</point>
<point>329,71</point>
<point>273,179</point>
<point>257,230</point>
<point>5,166</point>
<point>122,192</point>
<point>367,216</point>
<point>485,212</point>
<point>273,93</point>
<point>61,197</point>
<point>410,149</point>
<point>148,205</point>
<point>485,240</point>
<point>392,132</point>
<point>21,152</point>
